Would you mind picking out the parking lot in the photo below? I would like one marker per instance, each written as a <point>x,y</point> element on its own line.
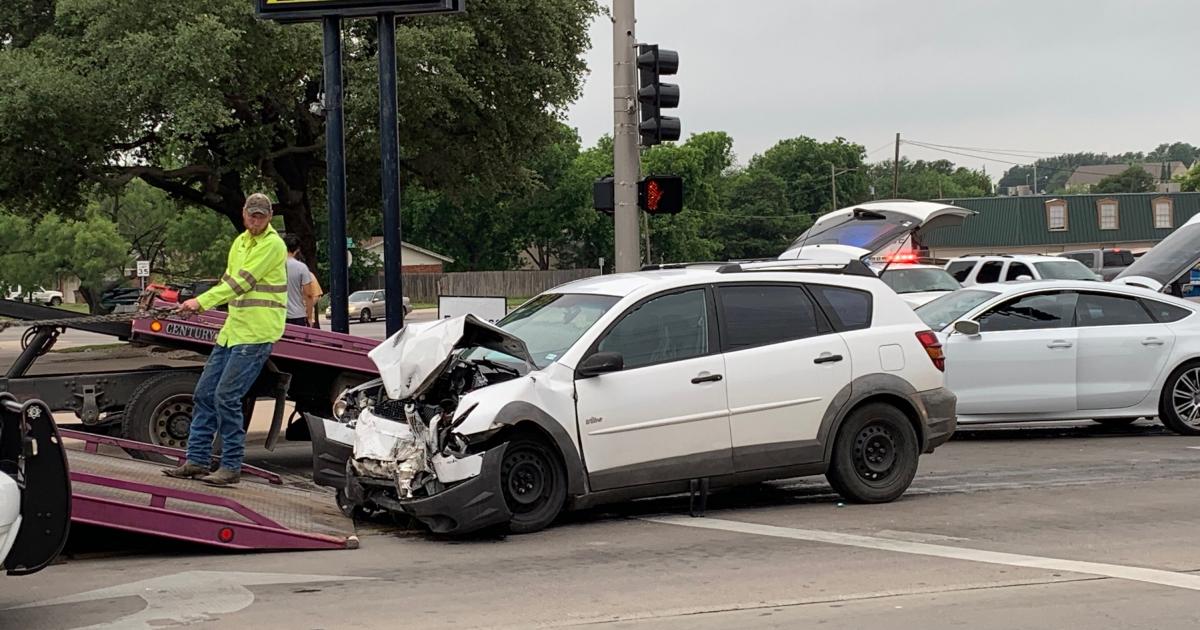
<point>1069,525</point>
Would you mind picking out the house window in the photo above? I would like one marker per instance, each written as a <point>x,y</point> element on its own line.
<point>1109,219</point>
<point>1056,215</point>
<point>1164,213</point>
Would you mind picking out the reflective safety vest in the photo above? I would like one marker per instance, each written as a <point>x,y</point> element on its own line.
<point>255,288</point>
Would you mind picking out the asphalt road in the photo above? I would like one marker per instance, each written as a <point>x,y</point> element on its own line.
<point>1011,528</point>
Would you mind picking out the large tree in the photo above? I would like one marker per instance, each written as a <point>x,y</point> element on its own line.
<point>205,102</point>
<point>807,167</point>
<point>923,180</point>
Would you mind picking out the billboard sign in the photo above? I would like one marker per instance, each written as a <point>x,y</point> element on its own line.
<point>299,10</point>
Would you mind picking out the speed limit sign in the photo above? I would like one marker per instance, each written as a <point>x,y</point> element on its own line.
<point>143,268</point>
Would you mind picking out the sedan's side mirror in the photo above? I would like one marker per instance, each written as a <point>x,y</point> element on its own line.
<point>966,327</point>
<point>600,363</point>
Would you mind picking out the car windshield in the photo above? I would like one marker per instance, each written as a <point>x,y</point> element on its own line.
<point>551,323</point>
<point>361,296</point>
<point>1064,270</point>
<point>945,310</point>
<point>919,280</point>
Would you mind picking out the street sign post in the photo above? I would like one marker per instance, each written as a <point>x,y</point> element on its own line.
<point>143,271</point>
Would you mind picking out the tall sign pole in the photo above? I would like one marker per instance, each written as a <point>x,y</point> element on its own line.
<point>626,160</point>
<point>335,176</point>
<point>390,174</point>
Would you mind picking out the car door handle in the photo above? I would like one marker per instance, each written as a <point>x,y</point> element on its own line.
<point>1152,341</point>
<point>827,358</point>
<point>1059,343</point>
<point>707,378</point>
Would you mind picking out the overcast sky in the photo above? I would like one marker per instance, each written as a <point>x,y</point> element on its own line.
<point>1044,75</point>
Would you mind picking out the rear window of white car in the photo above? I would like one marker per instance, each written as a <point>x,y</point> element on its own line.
<point>1165,313</point>
<point>919,280</point>
<point>961,269</point>
<point>850,309</point>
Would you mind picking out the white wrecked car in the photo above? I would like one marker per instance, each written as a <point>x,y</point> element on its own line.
<point>640,384</point>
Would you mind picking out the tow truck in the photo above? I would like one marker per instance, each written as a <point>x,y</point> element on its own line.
<point>134,421</point>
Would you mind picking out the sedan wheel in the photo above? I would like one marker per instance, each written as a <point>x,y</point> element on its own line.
<point>1179,407</point>
<point>364,316</point>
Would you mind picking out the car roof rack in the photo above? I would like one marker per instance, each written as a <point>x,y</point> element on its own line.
<point>854,267</point>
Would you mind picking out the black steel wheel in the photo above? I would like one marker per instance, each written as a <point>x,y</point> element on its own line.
<point>534,484</point>
<point>875,455</point>
<point>160,412</point>
<point>1179,404</point>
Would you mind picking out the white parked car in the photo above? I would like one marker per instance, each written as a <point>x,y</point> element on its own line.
<point>1065,350</point>
<point>41,296</point>
<point>638,384</point>
<point>990,268</point>
<point>917,283</point>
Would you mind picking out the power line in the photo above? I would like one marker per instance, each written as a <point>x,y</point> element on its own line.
<point>992,159</point>
<point>1013,152</point>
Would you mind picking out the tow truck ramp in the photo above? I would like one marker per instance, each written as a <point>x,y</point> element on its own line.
<point>263,512</point>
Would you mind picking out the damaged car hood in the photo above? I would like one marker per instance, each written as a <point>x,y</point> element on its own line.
<point>411,360</point>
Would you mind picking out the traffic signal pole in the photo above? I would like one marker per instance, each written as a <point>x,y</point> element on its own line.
<point>626,160</point>
<point>335,177</point>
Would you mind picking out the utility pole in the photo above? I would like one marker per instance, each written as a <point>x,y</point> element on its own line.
<point>896,170</point>
<point>335,177</point>
<point>626,161</point>
<point>833,185</point>
<point>1035,186</point>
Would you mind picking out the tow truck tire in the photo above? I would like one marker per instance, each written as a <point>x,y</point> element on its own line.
<point>160,412</point>
<point>534,483</point>
<point>874,455</point>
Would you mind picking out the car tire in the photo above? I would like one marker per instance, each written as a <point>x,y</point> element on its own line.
<point>55,301</point>
<point>1114,423</point>
<point>1173,401</point>
<point>365,316</point>
<point>159,412</point>
<point>534,483</point>
<point>875,455</point>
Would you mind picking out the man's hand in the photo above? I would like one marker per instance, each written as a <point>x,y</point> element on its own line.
<point>190,306</point>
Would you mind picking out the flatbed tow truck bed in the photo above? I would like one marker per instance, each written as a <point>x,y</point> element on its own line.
<point>264,512</point>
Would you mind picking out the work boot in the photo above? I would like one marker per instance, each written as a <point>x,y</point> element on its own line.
<point>223,477</point>
<point>186,471</point>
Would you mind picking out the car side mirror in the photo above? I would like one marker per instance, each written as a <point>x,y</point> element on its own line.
<point>600,363</point>
<point>966,327</point>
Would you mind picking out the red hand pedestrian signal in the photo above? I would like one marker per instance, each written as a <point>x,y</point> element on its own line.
<point>661,194</point>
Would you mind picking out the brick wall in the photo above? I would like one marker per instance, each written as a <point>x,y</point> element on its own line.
<point>407,269</point>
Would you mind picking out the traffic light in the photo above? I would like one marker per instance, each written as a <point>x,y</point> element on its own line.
<point>603,195</point>
<point>661,194</point>
<point>654,96</point>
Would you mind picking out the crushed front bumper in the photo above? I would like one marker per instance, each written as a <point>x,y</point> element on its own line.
<point>470,505</point>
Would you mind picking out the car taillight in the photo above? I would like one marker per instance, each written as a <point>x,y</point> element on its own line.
<point>933,347</point>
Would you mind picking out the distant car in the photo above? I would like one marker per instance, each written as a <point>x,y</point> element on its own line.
<point>916,283</point>
<point>1108,263</point>
<point>1070,350</point>
<point>369,305</point>
<point>976,269</point>
<point>41,296</point>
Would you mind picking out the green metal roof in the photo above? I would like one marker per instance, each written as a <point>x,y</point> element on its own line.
<point>1021,221</point>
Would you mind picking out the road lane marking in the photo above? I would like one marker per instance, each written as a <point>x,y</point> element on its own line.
<point>1116,571</point>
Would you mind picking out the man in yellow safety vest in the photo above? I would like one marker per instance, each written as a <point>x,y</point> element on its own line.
<point>255,288</point>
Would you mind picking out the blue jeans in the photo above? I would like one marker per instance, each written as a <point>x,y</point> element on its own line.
<point>217,403</point>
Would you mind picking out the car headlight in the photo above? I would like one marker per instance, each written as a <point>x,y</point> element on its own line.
<point>340,405</point>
